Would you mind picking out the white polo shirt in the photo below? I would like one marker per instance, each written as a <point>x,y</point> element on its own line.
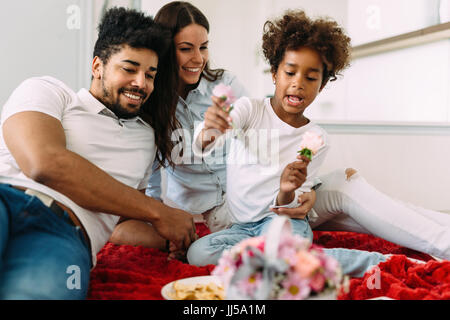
<point>125,149</point>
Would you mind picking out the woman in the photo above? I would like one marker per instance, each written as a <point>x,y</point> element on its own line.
<point>198,185</point>
<point>345,201</point>
<point>195,184</point>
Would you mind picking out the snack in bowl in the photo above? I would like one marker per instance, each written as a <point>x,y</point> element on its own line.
<point>197,288</point>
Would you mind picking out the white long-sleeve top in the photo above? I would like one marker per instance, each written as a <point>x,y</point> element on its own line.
<point>261,147</point>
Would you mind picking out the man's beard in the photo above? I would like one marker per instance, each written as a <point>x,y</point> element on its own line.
<point>116,107</point>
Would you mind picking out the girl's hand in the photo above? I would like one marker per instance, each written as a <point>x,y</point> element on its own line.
<point>217,121</point>
<point>307,201</point>
<point>216,117</point>
<point>294,175</point>
<point>292,178</point>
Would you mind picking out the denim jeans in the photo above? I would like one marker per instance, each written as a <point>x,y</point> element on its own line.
<point>208,249</point>
<point>42,255</point>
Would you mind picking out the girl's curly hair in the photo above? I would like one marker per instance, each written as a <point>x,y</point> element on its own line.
<point>294,30</point>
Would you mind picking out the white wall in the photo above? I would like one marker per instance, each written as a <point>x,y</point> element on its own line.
<point>44,37</point>
<point>371,20</point>
<point>413,168</point>
<point>407,85</point>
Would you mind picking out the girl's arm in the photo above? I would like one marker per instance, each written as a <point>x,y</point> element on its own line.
<point>305,185</point>
<point>306,200</point>
<point>218,121</point>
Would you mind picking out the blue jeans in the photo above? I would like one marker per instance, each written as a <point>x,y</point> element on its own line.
<point>208,249</point>
<point>42,255</point>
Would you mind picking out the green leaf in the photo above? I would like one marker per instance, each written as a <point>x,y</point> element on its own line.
<point>306,152</point>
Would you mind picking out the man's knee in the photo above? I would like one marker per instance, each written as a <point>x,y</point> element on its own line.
<point>117,235</point>
<point>137,233</point>
<point>125,232</point>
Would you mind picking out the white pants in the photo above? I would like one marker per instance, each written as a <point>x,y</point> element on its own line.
<point>354,205</point>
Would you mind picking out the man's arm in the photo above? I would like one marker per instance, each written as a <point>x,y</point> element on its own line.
<point>37,142</point>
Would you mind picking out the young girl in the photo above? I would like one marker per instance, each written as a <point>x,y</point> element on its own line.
<point>304,55</point>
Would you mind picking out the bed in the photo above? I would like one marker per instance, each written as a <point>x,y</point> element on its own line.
<point>138,273</point>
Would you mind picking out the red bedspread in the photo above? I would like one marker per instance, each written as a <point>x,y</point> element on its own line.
<point>127,272</point>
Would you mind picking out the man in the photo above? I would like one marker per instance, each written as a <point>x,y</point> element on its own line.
<point>71,164</point>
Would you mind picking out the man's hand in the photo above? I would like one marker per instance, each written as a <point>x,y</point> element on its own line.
<point>177,226</point>
<point>307,201</point>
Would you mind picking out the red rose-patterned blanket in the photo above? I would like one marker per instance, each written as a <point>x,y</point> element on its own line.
<point>127,272</point>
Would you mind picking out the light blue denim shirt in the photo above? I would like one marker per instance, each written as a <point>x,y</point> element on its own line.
<point>196,184</point>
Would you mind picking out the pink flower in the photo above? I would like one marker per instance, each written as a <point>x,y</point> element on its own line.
<point>250,285</point>
<point>295,241</point>
<point>295,288</point>
<point>225,92</point>
<point>288,254</point>
<point>225,266</point>
<point>317,283</point>
<point>256,242</point>
<point>311,143</point>
<point>289,245</point>
<point>309,270</point>
<point>307,264</point>
<point>332,269</point>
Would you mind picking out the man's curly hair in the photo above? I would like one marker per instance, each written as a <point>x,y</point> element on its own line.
<point>122,27</point>
<point>294,30</point>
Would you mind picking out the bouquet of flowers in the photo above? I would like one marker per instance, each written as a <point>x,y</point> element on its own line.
<point>278,265</point>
